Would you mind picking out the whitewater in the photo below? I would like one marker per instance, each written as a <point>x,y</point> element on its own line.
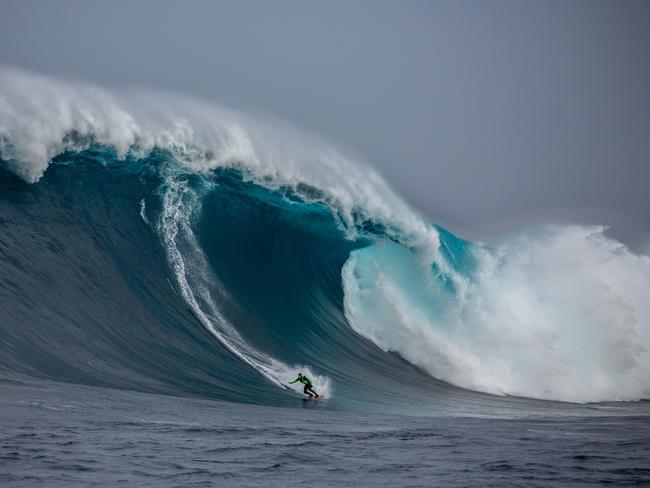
<point>293,255</point>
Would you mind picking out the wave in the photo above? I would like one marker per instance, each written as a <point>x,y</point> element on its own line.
<point>165,244</point>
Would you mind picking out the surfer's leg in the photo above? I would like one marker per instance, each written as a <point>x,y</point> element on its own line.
<point>312,390</point>
<point>306,390</point>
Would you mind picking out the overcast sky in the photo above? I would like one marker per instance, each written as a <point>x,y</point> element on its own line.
<point>485,115</point>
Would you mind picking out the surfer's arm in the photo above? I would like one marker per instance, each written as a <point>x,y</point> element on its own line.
<point>292,382</point>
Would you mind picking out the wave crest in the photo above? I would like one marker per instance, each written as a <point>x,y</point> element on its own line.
<point>41,118</point>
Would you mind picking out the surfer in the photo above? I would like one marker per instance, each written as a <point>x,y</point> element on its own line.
<point>308,385</point>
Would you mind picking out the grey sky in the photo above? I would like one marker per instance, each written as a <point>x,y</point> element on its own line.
<point>484,115</point>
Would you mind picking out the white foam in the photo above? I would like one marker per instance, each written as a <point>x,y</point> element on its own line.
<point>563,315</point>
<point>143,211</point>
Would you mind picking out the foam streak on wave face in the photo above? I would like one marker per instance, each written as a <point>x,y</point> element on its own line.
<point>560,316</point>
<point>197,282</point>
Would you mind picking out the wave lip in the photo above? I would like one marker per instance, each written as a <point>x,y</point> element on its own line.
<point>41,118</point>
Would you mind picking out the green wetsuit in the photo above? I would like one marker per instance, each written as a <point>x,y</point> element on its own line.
<point>308,385</point>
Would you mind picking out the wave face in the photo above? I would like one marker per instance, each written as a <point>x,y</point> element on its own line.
<point>161,244</point>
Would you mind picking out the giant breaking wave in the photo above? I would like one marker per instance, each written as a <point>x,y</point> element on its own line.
<point>156,242</point>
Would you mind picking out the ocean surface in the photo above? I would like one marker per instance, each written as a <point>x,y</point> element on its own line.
<point>168,266</point>
<point>60,435</point>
